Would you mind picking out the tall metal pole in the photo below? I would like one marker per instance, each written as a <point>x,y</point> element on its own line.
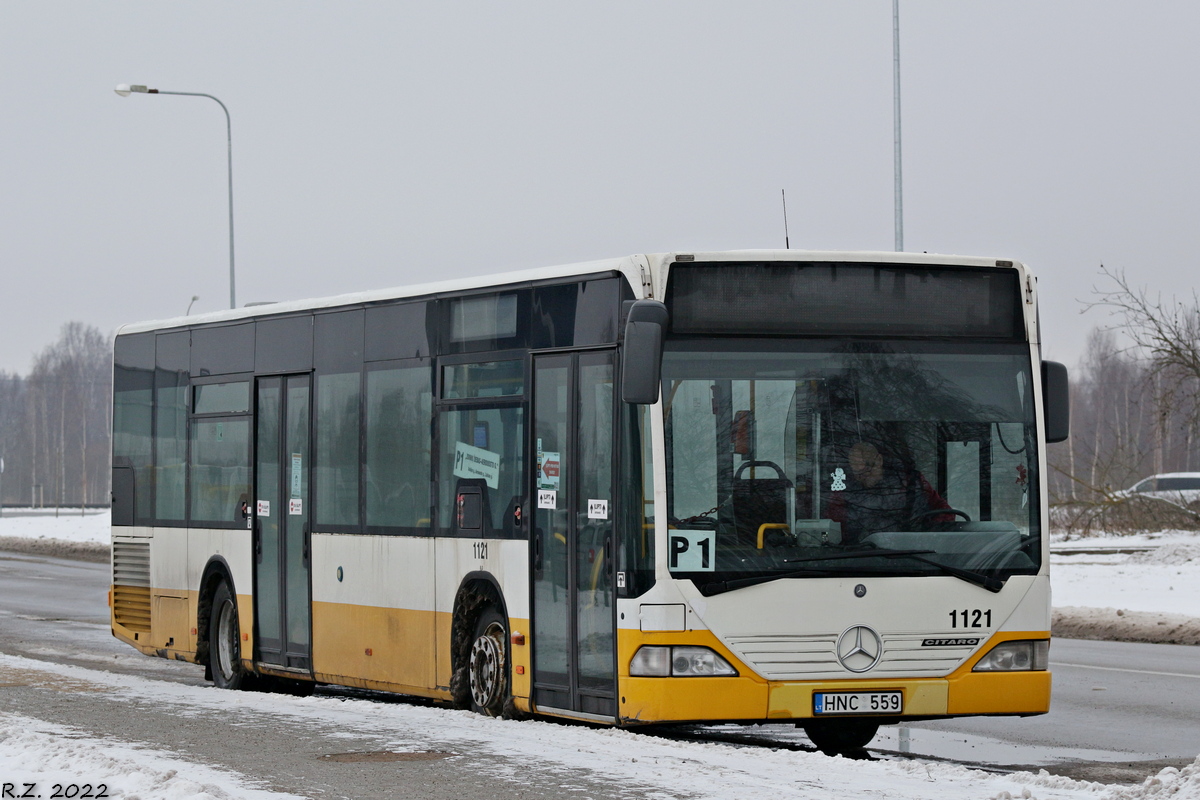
<point>124,90</point>
<point>896,118</point>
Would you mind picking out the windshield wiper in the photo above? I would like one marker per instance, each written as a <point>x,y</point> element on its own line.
<point>860,554</point>
<point>991,584</point>
<point>717,587</point>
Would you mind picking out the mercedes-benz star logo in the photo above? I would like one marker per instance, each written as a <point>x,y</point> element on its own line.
<point>859,648</point>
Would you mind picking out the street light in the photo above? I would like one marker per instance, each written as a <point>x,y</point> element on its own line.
<point>125,89</point>
<point>188,313</point>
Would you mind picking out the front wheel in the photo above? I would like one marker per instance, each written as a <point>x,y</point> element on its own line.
<point>488,667</point>
<point>224,641</point>
<point>841,736</point>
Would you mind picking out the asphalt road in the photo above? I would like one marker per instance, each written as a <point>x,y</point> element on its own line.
<point>1119,712</point>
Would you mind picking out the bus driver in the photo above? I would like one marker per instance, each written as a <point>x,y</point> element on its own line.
<point>880,496</point>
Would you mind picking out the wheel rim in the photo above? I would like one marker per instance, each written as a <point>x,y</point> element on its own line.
<point>226,639</point>
<point>487,665</point>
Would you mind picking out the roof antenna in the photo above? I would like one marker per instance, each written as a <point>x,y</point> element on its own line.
<point>786,242</point>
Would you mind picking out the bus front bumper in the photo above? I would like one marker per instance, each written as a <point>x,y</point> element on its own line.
<point>748,697</point>
<point>650,700</point>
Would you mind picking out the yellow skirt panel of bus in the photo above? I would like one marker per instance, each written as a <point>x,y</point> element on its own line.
<point>382,645</point>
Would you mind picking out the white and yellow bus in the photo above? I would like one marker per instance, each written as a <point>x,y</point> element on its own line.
<point>762,486</point>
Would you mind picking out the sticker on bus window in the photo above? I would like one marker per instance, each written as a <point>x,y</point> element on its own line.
<point>297,474</point>
<point>264,508</point>
<point>475,462</point>
<point>692,551</point>
<point>295,507</point>
<point>547,498</point>
<point>597,509</point>
<point>549,470</point>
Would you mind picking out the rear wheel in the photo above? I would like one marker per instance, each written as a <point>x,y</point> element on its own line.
<point>224,641</point>
<point>487,669</point>
<point>841,736</point>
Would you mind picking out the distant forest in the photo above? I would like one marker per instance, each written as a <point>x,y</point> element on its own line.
<point>55,423</point>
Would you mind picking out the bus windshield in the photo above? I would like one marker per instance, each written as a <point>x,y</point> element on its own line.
<point>849,458</point>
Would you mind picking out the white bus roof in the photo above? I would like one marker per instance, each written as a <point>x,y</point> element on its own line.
<point>630,266</point>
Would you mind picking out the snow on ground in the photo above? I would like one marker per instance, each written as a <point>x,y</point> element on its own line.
<point>49,755</point>
<point>649,766</point>
<point>1165,579</point>
<point>68,524</point>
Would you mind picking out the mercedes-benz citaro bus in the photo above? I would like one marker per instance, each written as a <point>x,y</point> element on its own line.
<point>804,488</point>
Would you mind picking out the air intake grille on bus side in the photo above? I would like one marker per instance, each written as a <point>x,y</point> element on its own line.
<point>131,583</point>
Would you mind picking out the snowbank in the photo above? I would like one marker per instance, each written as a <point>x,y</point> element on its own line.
<point>65,534</point>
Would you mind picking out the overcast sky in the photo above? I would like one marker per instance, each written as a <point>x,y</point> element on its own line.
<point>377,144</point>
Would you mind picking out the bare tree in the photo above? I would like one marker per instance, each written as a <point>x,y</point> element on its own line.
<point>1135,413</point>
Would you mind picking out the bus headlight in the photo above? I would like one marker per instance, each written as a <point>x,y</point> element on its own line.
<point>654,661</point>
<point>1019,656</point>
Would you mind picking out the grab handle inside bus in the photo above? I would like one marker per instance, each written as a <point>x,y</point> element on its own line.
<point>644,333</point>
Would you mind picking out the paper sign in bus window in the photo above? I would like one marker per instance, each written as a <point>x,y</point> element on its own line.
<point>549,471</point>
<point>264,508</point>
<point>692,551</point>
<point>475,462</point>
<point>547,498</point>
<point>597,509</point>
<point>297,471</point>
<point>295,507</point>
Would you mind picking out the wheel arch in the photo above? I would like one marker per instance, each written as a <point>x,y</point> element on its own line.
<point>476,591</point>
<point>215,571</point>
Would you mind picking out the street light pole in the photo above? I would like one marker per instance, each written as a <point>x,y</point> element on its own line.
<point>896,119</point>
<point>125,89</point>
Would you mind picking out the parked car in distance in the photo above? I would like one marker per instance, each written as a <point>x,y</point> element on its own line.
<point>1178,487</point>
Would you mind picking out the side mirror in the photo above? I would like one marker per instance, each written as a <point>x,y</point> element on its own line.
<point>1056,401</point>
<point>642,362</point>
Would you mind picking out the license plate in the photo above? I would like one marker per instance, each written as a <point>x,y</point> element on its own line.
<point>858,702</point>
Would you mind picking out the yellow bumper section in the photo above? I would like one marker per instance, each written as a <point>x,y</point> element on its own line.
<point>749,697</point>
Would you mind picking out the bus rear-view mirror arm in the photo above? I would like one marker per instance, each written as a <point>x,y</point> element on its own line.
<point>1056,401</point>
<point>644,333</point>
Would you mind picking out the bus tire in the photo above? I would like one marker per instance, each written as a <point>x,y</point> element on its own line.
<point>224,641</point>
<point>841,736</point>
<point>487,665</point>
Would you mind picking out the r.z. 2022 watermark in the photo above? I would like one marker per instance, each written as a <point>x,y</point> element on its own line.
<point>74,791</point>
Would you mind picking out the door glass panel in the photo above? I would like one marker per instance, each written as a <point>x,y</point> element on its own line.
<point>296,490</point>
<point>551,573</point>
<point>594,513</point>
<point>269,511</point>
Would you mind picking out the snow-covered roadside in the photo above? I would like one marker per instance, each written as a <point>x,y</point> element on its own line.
<point>1151,596</point>
<point>67,524</point>
<point>65,534</point>
<point>619,757</point>
<point>33,751</point>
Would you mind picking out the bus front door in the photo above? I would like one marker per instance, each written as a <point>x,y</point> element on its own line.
<point>574,654</point>
<point>281,544</point>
